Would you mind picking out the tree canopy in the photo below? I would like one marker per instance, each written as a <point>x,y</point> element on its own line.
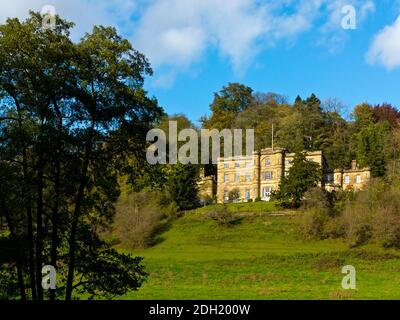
<point>309,125</point>
<point>302,176</point>
<point>71,115</point>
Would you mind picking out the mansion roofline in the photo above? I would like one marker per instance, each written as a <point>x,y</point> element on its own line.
<point>258,175</point>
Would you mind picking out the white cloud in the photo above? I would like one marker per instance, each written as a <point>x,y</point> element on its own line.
<point>237,29</point>
<point>301,20</point>
<point>177,34</point>
<point>333,36</point>
<point>164,80</point>
<point>334,11</point>
<point>367,8</point>
<point>84,13</point>
<point>385,48</point>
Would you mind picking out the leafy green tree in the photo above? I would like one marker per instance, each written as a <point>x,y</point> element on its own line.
<point>181,185</point>
<point>261,116</point>
<point>290,133</point>
<point>364,116</point>
<point>303,127</point>
<point>372,138</point>
<point>302,175</point>
<point>312,123</point>
<point>71,115</point>
<point>178,181</point>
<point>227,104</point>
<point>336,144</point>
<point>372,142</point>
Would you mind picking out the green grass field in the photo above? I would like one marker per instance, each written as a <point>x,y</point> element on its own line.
<point>261,258</point>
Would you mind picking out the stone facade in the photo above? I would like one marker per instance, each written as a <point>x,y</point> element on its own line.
<point>206,188</point>
<point>237,173</point>
<point>355,178</point>
<point>258,175</point>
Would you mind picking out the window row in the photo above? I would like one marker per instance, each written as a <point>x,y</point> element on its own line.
<point>265,176</point>
<point>268,175</point>
<point>237,177</point>
<point>249,164</point>
<point>237,165</point>
<point>346,179</point>
<point>246,194</point>
<point>268,162</point>
<point>356,180</point>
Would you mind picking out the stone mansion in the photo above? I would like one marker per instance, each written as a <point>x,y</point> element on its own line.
<point>258,175</point>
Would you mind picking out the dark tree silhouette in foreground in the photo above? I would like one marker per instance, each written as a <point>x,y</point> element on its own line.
<point>71,115</point>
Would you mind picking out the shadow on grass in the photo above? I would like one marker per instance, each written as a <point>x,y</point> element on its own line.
<point>161,229</point>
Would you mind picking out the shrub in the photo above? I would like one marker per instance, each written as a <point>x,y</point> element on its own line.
<point>387,220</point>
<point>357,223</point>
<point>170,210</point>
<point>234,194</point>
<point>316,198</point>
<point>312,224</point>
<point>341,199</point>
<point>328,261</point>
<point>393,170</point>
<point>222,216</point>
<point>139,217</point>
<point>334,228</point>
<point>374,215</point>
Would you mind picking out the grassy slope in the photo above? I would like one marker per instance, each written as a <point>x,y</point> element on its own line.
<point>260,259</point>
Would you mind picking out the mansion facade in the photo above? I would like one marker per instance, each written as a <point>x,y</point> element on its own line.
<point>257,176</point>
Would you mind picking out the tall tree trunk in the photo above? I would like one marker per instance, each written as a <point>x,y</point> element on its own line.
<point>54,234</point>
<point>14,238</point>
<point>39,233</point>
<point>32,275</point>
<point>39,218</point>
<point>77,213</point>
<point>74,228</point>
<point>55,214</point>
<point>28,206</point>
<point>20,276</point>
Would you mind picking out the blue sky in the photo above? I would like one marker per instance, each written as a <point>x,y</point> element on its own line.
<point>289,47</point>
